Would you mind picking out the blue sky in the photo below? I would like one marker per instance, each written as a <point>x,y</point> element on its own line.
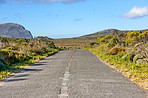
<point>72,18</point>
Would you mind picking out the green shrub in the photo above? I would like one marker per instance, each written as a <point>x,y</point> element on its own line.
<point>92,43</point>
<point>104,39</point>
<point>24,53</point>
<point>112,42</point>
<point>146,44</point>
<point>2,67</point>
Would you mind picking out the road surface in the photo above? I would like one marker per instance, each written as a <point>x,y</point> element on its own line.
<point>70,74</point>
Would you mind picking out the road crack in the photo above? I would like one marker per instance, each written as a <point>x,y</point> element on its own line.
<point>64,92</point>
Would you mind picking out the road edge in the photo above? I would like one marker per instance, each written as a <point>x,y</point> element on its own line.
<point>114,68</point>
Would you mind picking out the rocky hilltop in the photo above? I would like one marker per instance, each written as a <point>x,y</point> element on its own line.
<point>14,30</point>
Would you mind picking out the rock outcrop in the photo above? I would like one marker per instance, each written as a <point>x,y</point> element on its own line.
<point>14,30</point>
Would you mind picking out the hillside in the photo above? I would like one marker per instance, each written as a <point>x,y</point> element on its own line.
<point>128,53</point>
<point>84,41</point>
<point>78,42</point>
<point>108,32</point>
<point>14,30</point>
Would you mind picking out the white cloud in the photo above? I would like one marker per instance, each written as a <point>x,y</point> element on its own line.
<point>136,12</point>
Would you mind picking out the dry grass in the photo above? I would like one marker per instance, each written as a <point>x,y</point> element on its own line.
<point>79,42</point>
<point>115,50</point>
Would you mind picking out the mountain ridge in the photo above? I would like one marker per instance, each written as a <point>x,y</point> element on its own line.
<point>14,30</point>
<point>109,32</point>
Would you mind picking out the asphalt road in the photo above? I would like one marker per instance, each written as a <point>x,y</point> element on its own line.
<point>70,74</point>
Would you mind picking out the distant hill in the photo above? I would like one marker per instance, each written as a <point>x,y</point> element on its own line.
<point>108,32</point>
<point>14,30</point>
<point>84,41</point>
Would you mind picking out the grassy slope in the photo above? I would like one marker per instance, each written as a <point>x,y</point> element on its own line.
<point>21,65</point>
<point>137,73</point>
<point>19,53</point>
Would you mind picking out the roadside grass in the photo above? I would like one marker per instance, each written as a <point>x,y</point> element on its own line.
<point>17,67</point>
<point>136,72</point>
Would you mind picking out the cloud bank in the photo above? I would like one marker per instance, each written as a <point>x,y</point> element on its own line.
<point>136,12</point>
<point>41,1</point>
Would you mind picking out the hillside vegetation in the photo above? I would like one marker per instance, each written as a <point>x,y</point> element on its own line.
<point>18,53</point>
<point>108,32</point>
<point>74,43</point>
<point>126,52</point>
<point>84,41</point>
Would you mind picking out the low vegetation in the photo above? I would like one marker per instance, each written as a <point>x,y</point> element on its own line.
<point>18,53</point>
<point>126,52</point>
<point>74,43</point>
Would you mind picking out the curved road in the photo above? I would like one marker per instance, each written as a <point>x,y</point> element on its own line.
<point>70,74</point>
